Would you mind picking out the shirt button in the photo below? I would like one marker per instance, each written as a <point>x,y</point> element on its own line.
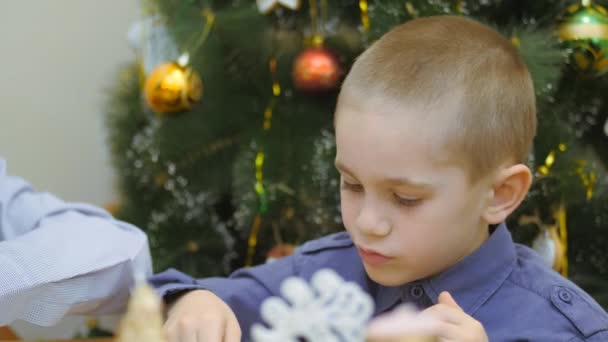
<point>416,292</point>
<point>564,296</point>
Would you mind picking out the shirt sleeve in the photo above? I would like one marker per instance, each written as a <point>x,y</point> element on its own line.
<point>244,291</point>
<point>59,258</point>
<point>597,337</point>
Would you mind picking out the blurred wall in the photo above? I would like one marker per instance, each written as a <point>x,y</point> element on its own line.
<point>56,60</point>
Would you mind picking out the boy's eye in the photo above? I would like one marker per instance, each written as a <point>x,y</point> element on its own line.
<point>407,201</point>
<point>352,186</point>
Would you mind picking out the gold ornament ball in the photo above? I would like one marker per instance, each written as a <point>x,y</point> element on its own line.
<point>172,88</point>
<point>193,247</point>
<point>583,29</point>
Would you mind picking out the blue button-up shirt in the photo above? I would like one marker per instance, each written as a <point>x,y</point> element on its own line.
<point>503,285</point>
<point>59,258</point>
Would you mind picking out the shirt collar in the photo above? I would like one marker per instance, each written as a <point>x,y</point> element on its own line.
<point>470,282</point>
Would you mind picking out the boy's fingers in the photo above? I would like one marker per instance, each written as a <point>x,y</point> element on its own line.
<point>444,313</point>
<point>447,332</point>
<point>233,331</point>
<point>446,298</point>
<point>188,336</point>
<point>171,333</point>
<point>211,331</point>
<point>402,322</point>
<point>190,330</point>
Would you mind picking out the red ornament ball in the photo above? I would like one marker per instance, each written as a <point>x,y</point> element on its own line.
<point>317,70</point>
<point>279,251</point>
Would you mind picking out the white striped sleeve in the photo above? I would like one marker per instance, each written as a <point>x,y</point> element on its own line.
<point>62,258</point>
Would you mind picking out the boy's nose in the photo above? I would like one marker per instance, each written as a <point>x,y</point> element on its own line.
<point>370,222</point>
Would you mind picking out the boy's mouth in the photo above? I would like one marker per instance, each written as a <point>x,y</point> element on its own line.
<point>372,257</point>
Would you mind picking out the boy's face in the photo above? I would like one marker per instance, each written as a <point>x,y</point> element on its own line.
<point>409,216</point>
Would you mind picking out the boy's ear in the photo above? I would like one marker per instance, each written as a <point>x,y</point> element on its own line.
<point>509,189</point>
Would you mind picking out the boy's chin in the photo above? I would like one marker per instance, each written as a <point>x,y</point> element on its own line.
<point>388,277</point>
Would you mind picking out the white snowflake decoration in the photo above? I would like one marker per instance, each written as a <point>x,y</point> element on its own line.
<point>151,41</point>
<point>328,310</point>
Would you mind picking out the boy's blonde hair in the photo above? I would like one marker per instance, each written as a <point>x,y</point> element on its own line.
<point>436,61</point>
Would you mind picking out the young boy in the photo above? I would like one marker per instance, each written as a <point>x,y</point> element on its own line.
<point>434,124</point>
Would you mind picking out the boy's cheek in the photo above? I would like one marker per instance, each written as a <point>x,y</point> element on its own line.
<point>349,211</point>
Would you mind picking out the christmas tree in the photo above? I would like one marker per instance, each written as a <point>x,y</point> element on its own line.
<point>222,129</point>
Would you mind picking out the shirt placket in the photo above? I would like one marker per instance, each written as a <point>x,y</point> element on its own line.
<point>415,294</point>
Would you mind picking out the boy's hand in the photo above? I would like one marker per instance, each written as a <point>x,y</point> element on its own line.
<point>201,316</point>
<point>403,324</point>
<point>455,324</point>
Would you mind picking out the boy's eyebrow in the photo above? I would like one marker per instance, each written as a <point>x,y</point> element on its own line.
<point>393,181</point>
<point>409,182</point>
